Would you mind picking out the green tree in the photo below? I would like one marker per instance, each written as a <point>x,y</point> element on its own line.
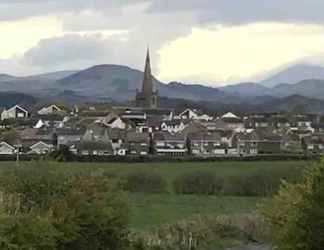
<point>296,214</point>
<point>46,210</point>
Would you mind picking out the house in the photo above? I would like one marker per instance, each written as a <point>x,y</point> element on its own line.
<point>116,122</point>
<point>67,137</point>
<point>136,117</point>
<point>49,110</point>
<point>206,144</point>
<point>302,122</point>
<point>6,148</point>
<point>233,122</point>
<point>193,127</point>
<point>93,145</point>
<point>314,144</point>
<point>165,143</point>
<point>31,136</point>
<point>154,123</point>
<point>282,122</point>
<point>16,112</point>
<point>118,139</point>
<point>49,121</point>
<point>137,143</point>
<point>258,121</point>
<point>258,141</point>
<point>174,126</point>
<point>41,148</point>
<point>190,114</point>
<point>291,143</point>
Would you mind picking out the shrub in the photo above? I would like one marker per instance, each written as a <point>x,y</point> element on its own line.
<point>143,182</point>
<point>198,183</point>
<point>63,154</point>
<point>199,232</point>
<point>295,215</point>
<point>265,183</point>
<point>45,210</point>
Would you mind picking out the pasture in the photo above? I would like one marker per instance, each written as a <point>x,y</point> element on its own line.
<point>151,210</point>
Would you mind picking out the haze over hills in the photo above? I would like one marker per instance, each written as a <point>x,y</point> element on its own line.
<point>120,83</point>
<point>295,74</point>
<point>247,89</point>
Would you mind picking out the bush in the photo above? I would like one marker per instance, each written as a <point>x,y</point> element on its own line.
<point>198,183</point>
<point>295,215</point>
<point>264,184</point>
<point>143,182</point>
<point>45,210</point>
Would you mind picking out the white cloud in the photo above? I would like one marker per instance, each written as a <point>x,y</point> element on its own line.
<point>239,53</point>
<point>19,36</point>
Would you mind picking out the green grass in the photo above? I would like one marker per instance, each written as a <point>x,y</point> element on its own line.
<point>153,210</point>
<point>170,171</point>
<point>148,211</point>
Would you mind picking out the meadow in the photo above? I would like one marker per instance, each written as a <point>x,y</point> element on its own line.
<point>152,210</point>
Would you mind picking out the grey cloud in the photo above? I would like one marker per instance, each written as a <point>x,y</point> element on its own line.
<point>20,9</point>
<point>68,48</point>
<point>246,11</point>
<point>78,51</point>
<point>208,11</point>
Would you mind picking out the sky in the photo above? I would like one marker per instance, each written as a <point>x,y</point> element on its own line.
<point>213,42</point>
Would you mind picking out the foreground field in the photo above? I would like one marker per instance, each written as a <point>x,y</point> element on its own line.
<point>171,170</point>
<point>151,210</point>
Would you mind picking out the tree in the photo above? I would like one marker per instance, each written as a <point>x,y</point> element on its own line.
<point>46,210</point>
<point>296,214</point>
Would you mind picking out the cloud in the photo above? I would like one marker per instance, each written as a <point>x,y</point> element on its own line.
<point>68,48</point>
<point>229,49</point>
<point>239,53</point>
<point>238,12</point>
<point>20,9</point>
<point>77,51</point>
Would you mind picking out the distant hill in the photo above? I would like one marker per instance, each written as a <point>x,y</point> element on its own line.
<point>295,74</point>
<point>294,103</point>
<point>5,77</point>
<point>119,84</point>
<point>9,99</point>
<point>311,88</point>
<point>246,89</point>
<point>52,76</point>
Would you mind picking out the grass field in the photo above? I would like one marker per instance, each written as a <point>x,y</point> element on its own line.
<point>150,210</point>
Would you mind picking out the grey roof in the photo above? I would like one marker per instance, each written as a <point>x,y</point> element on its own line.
<point>166,136</point>
<point>205,136</point>
<point>133,136</point>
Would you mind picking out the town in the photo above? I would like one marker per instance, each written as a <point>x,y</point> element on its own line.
<point>96,129</point>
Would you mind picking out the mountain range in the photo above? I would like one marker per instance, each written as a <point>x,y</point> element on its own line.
<point>299,85</point>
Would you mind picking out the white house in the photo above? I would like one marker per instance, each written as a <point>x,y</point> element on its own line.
<point>16,112</point>
<point>190,114</point>
<point>6,149</point>
<point>116,122</point>
<point>41,148</point>
<point>233,122</point>
<point>49,110</point>
<point>174,126</point>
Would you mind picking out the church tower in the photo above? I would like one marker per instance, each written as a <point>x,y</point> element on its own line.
<point>147,98</point>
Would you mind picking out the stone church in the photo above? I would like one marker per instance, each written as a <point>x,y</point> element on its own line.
<point>148,98</point>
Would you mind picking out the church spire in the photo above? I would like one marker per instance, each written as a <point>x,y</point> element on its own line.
<point>147,88</point>
<point>147,98</point>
